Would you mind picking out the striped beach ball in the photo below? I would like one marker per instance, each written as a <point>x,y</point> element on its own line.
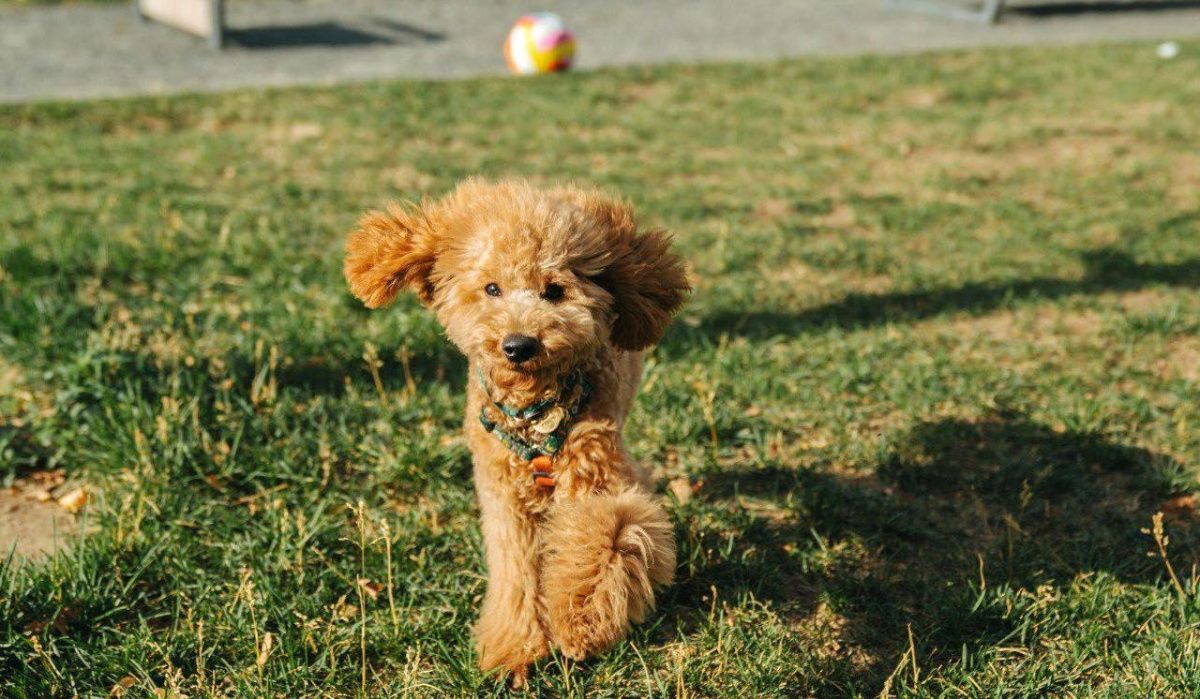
<point>539,43</point>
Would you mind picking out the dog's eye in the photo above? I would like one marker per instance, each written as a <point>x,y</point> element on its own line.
<point>492,289</point>
<point>552,292</point>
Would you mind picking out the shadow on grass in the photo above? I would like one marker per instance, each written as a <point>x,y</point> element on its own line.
<point>1107,270</point>
<point>1049,9</point>
<point>327,374</point>
<point>1003,499</point>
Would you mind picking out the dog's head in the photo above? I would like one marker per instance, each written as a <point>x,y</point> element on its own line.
<point>524,280</point>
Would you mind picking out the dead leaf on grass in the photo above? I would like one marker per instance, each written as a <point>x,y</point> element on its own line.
<point>122,685</point>
<point>371,589</point>
<point>49,479</point>
<point>65,616</point>
<point>343,610</point>
<point>264,649</point>
<point>74,500</point>
<point>1180,506</point>
<point>683,488</point>
<point>304,130</point>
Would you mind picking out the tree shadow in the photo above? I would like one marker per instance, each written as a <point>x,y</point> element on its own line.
<point>1047,9</point>
<point>955,505</point>
<point>1107,270</point>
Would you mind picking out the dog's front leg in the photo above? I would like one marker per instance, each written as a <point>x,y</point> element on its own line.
<point>509,634</point>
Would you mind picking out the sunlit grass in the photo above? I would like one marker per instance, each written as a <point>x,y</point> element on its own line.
<point>939,372</point>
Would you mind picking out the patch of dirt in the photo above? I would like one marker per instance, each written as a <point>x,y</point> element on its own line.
<point>773,209</point>
<point>36,514</point>
<point>1143,301</point>
<point>294,132</point>
<point>870,284</point>
<point>993,160</point>
<point>405,177</point>
<point>826,631</point>
<point>765,509</point>
<point>1183,359</point>
<point>1142,113</point>
<point>997,326</point>
<point>1184,186</point>
<point>1074,324</point>
<point>800,273</point>
<point>841,216</point>
<point>29,527</point>
<point>923,97</point>
<point>640,91</point>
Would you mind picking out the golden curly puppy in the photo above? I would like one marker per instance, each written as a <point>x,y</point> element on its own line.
<point>552,295</point>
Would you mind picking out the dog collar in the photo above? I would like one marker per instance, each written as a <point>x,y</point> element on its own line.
<point>544,425</point>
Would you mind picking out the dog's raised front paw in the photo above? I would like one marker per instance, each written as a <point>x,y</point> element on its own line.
<point>604,556</point>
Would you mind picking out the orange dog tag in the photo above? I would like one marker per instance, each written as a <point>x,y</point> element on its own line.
<point>542,474</point>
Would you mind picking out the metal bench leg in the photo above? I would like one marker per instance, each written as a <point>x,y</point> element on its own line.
<point>214,31</point>
<point>991,10</point>
<point>217,38</point>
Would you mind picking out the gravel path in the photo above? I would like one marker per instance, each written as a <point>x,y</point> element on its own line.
<point>85,51</point>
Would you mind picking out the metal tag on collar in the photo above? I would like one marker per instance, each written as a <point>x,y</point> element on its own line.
<point>550,421</point>
<point>542,475</point>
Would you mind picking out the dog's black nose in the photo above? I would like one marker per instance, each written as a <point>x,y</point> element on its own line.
<point>518,348</point>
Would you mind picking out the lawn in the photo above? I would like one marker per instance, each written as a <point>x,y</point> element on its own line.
<point>939,373</point>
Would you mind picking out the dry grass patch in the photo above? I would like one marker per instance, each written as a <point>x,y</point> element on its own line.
<point>1182,360</point>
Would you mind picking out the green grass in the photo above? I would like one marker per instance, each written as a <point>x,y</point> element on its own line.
<point>939,372</point>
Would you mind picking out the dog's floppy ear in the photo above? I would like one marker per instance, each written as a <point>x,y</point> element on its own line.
<point>647,281</point>
<point>648,284</point>
<point>389,252</point>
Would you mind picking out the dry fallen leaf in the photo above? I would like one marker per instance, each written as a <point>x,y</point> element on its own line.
<point>264,650</point>
<point>1180,506</point>
<point>123,684</point>
<point>49,479</point>
<point>681,488</point>
<point>343,610</point>
<point>73,501</point>
<point>371,589</point>
<point>304,131</point>
<point>814,442</point>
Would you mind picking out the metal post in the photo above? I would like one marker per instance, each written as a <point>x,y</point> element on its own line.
<point>216,38</point>
<point>203,18</point>
<point>989,13</point>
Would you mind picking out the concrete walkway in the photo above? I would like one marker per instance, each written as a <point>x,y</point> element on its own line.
<point>84,51</point>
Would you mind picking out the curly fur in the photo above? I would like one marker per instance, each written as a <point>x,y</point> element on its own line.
<point>602,557</point>
<point>577,565</point>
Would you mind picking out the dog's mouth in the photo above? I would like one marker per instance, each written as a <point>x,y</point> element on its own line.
<point>535,365</point>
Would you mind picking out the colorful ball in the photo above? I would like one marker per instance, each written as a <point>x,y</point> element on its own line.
<point>539,43</point>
